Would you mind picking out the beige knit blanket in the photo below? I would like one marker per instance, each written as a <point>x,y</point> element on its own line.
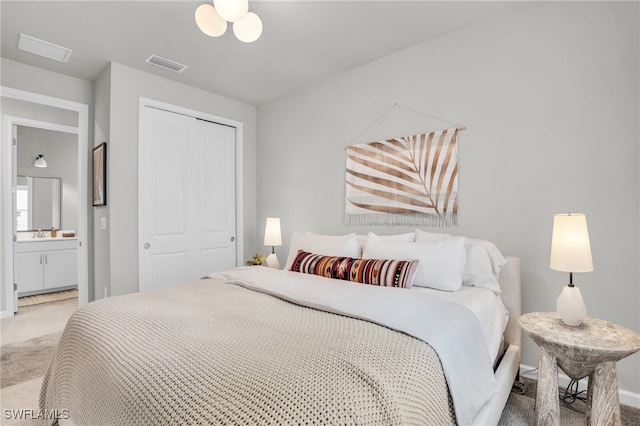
<point>214,353</point>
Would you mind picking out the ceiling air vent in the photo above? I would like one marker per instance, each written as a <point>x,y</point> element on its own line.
<point>166,63</point>
<point>49,50</point>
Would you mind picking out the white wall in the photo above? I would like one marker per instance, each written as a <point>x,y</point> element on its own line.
<point>127,86</point>
<point>101,241</point>
<point>549,95</point>
<point>38,80</point>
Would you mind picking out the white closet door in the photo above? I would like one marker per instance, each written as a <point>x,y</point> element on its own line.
<point>188,199</point>
<point>217,196</point>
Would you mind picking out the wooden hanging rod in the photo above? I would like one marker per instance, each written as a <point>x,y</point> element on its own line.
<point>459,128</point>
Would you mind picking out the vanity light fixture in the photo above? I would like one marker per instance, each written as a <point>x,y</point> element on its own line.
<point>212,19</point>
<point>40,162</point>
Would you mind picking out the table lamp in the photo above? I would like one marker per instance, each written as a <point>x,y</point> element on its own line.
<point>272,237</point>
<point>571,252</point>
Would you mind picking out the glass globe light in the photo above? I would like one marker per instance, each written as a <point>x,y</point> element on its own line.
<point>40,161</point>
<point>231,10</point>
<point>249,28</point>
<point>209,21</point>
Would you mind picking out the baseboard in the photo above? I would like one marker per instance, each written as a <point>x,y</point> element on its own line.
<point>6,314</point>
<point>627,398</point>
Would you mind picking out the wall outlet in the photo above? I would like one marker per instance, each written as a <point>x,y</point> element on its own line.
<point>103,223</point>
<point>106,292</point>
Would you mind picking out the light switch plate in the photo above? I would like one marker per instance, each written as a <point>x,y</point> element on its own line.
<point>103,223</point>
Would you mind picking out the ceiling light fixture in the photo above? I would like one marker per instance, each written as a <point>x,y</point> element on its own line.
<point>231,10</point>
<point>212,19</point>
<point>209,21</point>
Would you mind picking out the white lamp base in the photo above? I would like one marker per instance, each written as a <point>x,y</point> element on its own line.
<point>571,307</point>
<point>272,261</point>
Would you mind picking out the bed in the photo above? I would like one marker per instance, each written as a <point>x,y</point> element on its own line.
<point>255,345</point>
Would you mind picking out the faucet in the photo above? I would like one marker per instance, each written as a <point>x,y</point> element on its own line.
<point>38,234</point>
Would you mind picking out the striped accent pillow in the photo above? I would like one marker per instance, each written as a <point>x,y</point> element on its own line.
<point>381,272</point>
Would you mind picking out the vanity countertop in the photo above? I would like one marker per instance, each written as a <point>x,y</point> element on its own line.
<point>27,237</point>
<point>46,244</point>
<point>40,240</point>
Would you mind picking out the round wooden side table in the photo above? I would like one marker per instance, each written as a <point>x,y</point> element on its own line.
<point>590,349</point>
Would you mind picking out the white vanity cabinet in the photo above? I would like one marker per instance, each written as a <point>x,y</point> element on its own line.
<point>45,264</point>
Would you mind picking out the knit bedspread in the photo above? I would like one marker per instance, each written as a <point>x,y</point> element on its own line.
<point>213,352</point>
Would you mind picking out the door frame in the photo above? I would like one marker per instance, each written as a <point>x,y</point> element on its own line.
<point>239,234</point>
<point>8,188</point>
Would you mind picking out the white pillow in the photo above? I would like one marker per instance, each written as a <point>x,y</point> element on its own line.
<point>424,236</point>
<point>409,237</point>
<point>484,260</point>
<point>326,245</point>
<point>441,263</point>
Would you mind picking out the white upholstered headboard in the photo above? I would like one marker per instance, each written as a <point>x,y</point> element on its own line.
<point>510,285</point>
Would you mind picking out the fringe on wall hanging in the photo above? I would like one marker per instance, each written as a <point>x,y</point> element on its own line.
<point>411,180</point>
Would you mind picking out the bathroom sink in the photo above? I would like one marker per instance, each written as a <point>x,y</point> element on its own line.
<point>27,237</point>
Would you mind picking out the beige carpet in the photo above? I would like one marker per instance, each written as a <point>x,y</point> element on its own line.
<point>28,340</point>
<point>23,361</point>
<point>46,298</point>
<point>22,367</point>
<point>23,396</point>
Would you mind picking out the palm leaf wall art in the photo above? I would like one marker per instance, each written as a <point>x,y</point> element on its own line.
<point>411,180</point>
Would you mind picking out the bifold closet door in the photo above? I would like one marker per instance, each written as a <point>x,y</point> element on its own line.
<point>187,199</point>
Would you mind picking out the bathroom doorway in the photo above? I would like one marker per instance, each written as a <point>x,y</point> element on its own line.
<point>45,258</point>
<point>62,265</point>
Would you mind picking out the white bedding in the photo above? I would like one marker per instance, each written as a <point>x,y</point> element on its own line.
<point>487,307</point>
<point>419,314</point>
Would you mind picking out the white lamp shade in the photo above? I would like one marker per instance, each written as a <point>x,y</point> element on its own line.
<point>231,10</point>
<point>272,234</point>
<point>209,21</point>
<point>249,28</point>
<point>570,247</point>
<point>40,162</point>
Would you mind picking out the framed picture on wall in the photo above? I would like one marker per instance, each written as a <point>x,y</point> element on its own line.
<point>100,175</point>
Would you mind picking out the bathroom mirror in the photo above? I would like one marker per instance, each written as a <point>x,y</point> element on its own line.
<point>37,203</point>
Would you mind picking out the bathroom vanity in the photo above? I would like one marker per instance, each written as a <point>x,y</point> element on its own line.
<point>45,264</point>
<point>42,262</point>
